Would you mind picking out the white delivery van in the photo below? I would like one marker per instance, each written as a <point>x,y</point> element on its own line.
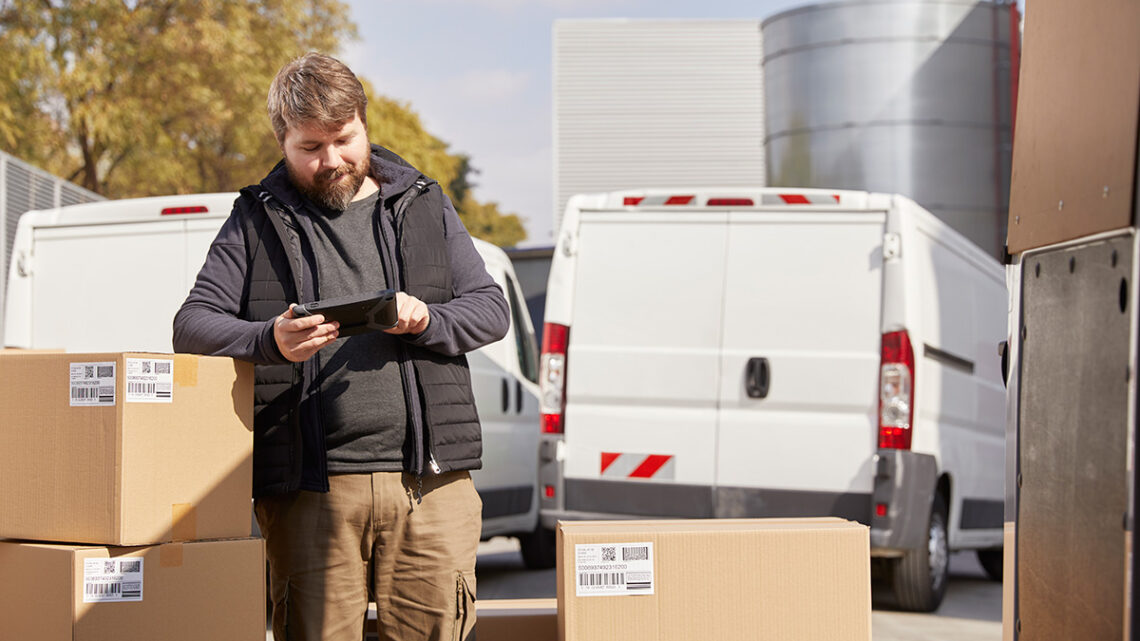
<point>772,352</point>
<point>109,276</point>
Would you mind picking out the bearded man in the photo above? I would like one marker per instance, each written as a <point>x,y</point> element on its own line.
<point>363,443</point>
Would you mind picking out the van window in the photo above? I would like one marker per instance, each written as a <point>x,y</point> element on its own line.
<point>524,340</point>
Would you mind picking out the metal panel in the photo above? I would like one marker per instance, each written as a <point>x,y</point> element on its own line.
<point>1077,127</point>
<point>656,103</point>
<point>1073,501</point>
<point>899,96</point>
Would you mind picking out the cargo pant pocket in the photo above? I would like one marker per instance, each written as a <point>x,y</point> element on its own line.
<point>464,607</point>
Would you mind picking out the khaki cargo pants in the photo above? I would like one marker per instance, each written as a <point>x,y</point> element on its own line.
<point>369,536</point>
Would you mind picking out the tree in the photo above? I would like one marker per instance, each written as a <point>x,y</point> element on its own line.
<point>146,97</point>
<point>152,96</point>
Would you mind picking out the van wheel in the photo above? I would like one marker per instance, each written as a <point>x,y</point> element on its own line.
<point>991,561</point>
<point>538,548</point>
<point>920,576</point>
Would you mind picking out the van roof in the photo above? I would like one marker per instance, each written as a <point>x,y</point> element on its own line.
<point>133,209</point>
<point>681,198</point>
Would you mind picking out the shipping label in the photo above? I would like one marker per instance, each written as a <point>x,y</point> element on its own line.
<point>150,380</point>
<point>92,384</point>
<point>613,569</point>
<point>112,580</point>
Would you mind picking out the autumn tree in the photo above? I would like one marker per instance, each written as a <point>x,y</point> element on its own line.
<point>146,97</point>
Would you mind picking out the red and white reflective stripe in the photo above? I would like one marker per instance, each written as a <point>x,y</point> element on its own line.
<point>658,200</point>
<point>800,199</point>
<point>638,466</point>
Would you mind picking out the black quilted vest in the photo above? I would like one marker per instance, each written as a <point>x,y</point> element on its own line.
<point>283,423</point>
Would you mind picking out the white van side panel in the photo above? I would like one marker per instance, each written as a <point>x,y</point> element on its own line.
<point>803,290</point>
<point>128,272</point>
<point>643,361</point>
<point>956,323</point>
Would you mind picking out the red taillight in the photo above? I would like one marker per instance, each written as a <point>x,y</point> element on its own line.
<point>548,491</point>
<point>184,210</point>
<point>730,202</point>
<point>896,391</point>
<point>552,377</point>
<point>880,509</point>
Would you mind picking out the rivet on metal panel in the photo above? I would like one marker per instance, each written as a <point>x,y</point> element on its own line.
<point>1060,205</point>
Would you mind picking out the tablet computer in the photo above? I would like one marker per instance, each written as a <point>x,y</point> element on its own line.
<point>356,314</point>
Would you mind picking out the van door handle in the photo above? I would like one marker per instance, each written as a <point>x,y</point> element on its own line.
<point>506,395</point>
<point>757,377</point>
<point>518,397</point>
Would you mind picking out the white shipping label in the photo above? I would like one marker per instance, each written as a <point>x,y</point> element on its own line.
<point>150,380</point>
<point>609,569</point>
<point>92,384</point>
<point>112,580</point>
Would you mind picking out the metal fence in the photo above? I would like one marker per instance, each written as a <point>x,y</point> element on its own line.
<point>24,187</point>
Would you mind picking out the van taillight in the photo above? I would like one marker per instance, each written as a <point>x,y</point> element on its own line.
<point>197,209</point>
<point>552,376</point>
<point>896,391</point>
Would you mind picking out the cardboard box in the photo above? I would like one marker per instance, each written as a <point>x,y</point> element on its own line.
<point>134,458</point>
<point>177,591</point>
<point>724,579</point>
<point>502,620</point>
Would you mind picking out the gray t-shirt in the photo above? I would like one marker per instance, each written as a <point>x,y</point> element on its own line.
<point>361,391</point>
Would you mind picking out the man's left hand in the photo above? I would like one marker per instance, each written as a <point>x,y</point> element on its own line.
<point>413,315</point>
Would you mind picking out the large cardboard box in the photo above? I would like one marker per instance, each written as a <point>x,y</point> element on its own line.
<point>724,579</point>
<point>125,449</point>
<point>501,620</point>
<point>175,592</point>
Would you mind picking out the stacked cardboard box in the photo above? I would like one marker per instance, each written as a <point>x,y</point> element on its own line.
<point>126,501</point>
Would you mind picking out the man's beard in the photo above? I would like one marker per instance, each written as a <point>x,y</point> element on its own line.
<point>324,192</point>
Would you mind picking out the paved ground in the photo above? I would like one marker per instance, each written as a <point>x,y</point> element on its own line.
<point>970,612</point>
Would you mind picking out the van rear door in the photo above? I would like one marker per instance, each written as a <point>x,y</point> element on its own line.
<point>799,377</point>
<point>643,363</point>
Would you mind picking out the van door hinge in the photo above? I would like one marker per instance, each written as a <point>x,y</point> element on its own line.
<point>892,246</point>
<point>23,265</point>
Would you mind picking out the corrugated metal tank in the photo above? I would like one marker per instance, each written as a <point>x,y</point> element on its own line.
<point>903,96</point>
<point>656,103</point>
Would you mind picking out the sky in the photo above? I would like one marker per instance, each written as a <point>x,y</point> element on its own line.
<point>478,72</point>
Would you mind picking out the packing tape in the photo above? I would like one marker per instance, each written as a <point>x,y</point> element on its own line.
<point>185,370</point>
<point>183,522</point>
<point>170,555</point>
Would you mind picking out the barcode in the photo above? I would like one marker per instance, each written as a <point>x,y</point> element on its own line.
<point>162,367</point>
<point>102,393</point>
<point>106,371</point>
<point>132,590</point>
<point>635,554</point>
<point>140,388</point>
<point>129,566</point>
<point>103,589</point>
<point>601,578</point>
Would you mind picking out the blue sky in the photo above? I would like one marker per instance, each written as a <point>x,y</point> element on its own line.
<point>479,74</point>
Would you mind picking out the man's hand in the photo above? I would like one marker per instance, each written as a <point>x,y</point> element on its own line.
<point>300,338</point>
<point>413,315</point>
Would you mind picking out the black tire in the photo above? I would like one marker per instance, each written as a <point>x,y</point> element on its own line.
<point>538,549</point>
<point>991,561</point>
<point>921,575</point>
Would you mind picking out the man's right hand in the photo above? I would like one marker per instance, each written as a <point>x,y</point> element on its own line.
<point>298,338</point>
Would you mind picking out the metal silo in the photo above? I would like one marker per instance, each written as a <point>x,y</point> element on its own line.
<point>904,96</point>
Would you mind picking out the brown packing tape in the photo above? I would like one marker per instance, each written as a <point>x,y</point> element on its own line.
<point>186,370</point>
<point>183,522</point>
<point>170,555</point>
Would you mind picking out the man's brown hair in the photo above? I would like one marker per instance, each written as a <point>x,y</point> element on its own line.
<point>314,89</point>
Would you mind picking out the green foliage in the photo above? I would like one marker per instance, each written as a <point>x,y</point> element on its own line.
<point>149,97</point>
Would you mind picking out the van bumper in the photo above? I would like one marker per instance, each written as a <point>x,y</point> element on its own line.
<point>905,482</point>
